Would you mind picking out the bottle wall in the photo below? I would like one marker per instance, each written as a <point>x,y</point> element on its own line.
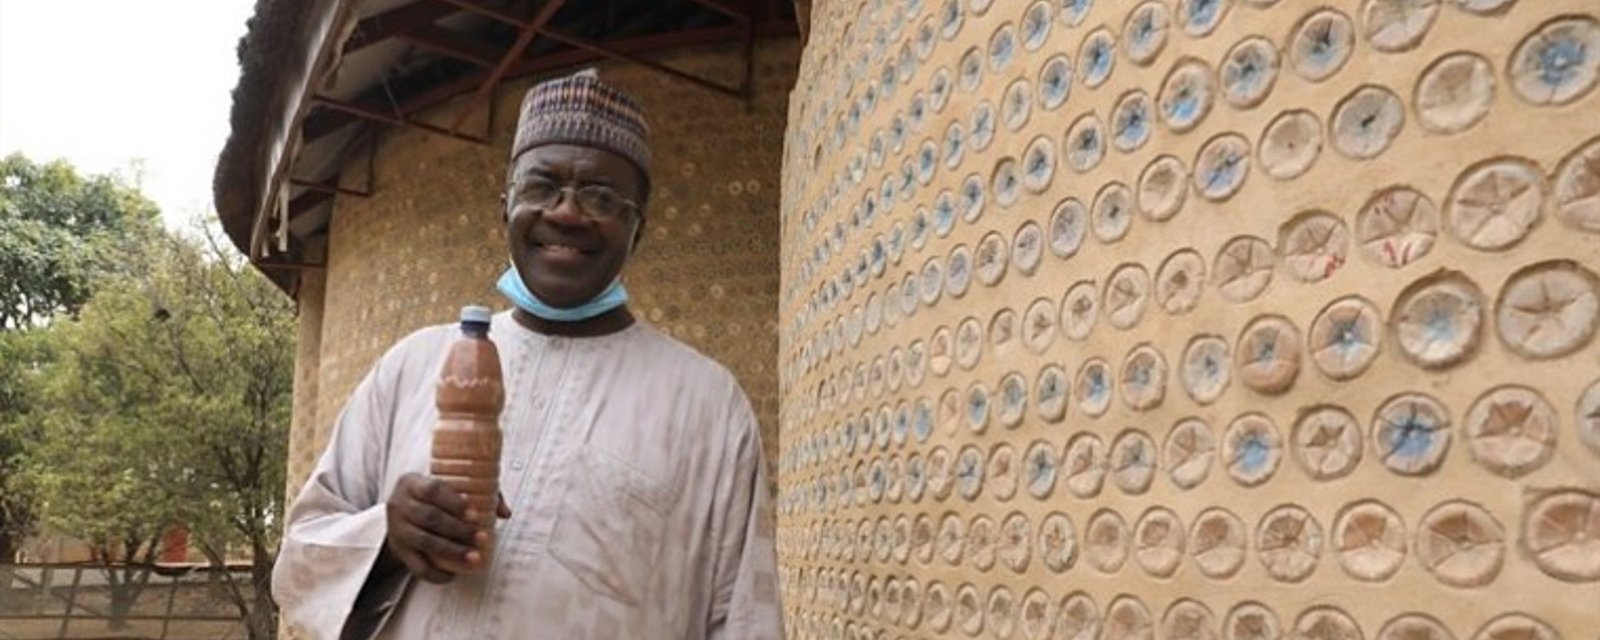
<point>1193,319</point>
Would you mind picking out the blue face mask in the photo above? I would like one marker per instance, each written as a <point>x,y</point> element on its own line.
<point>512,287</point>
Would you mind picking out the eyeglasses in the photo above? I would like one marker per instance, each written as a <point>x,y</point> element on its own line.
<point>595,200</point>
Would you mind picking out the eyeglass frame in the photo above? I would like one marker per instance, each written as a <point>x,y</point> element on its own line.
<point>563,191</point>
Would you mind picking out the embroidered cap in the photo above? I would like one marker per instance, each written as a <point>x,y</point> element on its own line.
<point>580,109</point>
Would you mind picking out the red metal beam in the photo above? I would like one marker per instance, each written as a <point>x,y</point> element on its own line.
<point>333,185</point>
<point>539,27</point>
<point>317,194</point>
<point>491,12</point>
<point>530,30</point>
<point>624,56</point>
<point>282,266</point>
<point>369,114</point>
<point>383,26</point>
<point>726,9</point>
<point>328,187</point>
<point>329,121</point>
<point>306,202</point>
<point>452,43</point>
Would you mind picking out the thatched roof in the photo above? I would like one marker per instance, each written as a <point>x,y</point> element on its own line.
<point>276,32</point>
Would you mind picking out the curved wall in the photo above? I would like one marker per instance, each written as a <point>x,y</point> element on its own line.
<point>1193,319</point>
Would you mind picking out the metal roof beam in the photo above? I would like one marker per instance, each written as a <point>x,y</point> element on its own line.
<point>724,8</point>
<point>540,26</point>
<point>496,14</point>
<point>326,121</point>
<point>391,119</point>
<point>525,36</point>
<point>618,54</point>
<point>452,43</point>
<point>307,201</point>
<point>328,187</point>
<point>380,27</point>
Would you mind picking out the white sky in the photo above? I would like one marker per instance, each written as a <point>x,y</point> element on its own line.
<point>103,83</point>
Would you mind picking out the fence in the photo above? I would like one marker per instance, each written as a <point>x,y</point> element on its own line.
<point>73,602</point>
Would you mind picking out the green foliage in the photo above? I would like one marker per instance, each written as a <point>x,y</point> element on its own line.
<point>145,382</point>
<point>169,400</point>
<point>174,381</point>
<point>54,227</point>
<point>98,464</point>
<point>21,352</point>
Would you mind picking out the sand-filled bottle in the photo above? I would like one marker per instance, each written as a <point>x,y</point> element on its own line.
<point>466,441</point>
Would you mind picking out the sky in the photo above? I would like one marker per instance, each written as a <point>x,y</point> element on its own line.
<point>110,85</point>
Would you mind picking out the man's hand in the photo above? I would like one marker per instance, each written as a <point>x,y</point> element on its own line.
<point>431,530</point>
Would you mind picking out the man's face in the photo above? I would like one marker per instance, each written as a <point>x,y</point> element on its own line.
<point>566,255</point>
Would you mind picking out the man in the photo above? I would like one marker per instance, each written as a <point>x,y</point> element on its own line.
<point>633,492</point>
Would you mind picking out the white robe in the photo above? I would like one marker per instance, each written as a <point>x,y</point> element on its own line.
<point>632,465</point>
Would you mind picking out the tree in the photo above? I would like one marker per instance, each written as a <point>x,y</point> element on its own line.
<point>17,350</point>
<point>170,399</point>
<point>230,333</point>
<point>54,228</point>
<point>99,468</point>
<point>19,353</point>
<point>54,224</point>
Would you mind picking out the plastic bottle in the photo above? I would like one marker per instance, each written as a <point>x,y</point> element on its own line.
<point>466,441</point>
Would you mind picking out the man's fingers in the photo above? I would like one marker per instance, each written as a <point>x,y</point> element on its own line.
<point>423,516</point>
<point>418,565</point>
<point>430,518</point>
<point>437,577</point>
<point>431,573</point>
<point>435,546</point>
<point>502,510</point>
<point>435,574</point>
<point>435,492</point>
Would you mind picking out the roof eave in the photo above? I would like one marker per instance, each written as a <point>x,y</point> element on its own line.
<point>289,50</point>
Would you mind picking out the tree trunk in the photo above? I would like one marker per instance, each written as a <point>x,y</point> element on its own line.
<point>7,577</point>
<point>7,571</point>
<point>124,593</point>
<point>114,584</point>
<point>122,600</point>
<point>263,620</point>
<point>257,610</point>
<point>126,583</point>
